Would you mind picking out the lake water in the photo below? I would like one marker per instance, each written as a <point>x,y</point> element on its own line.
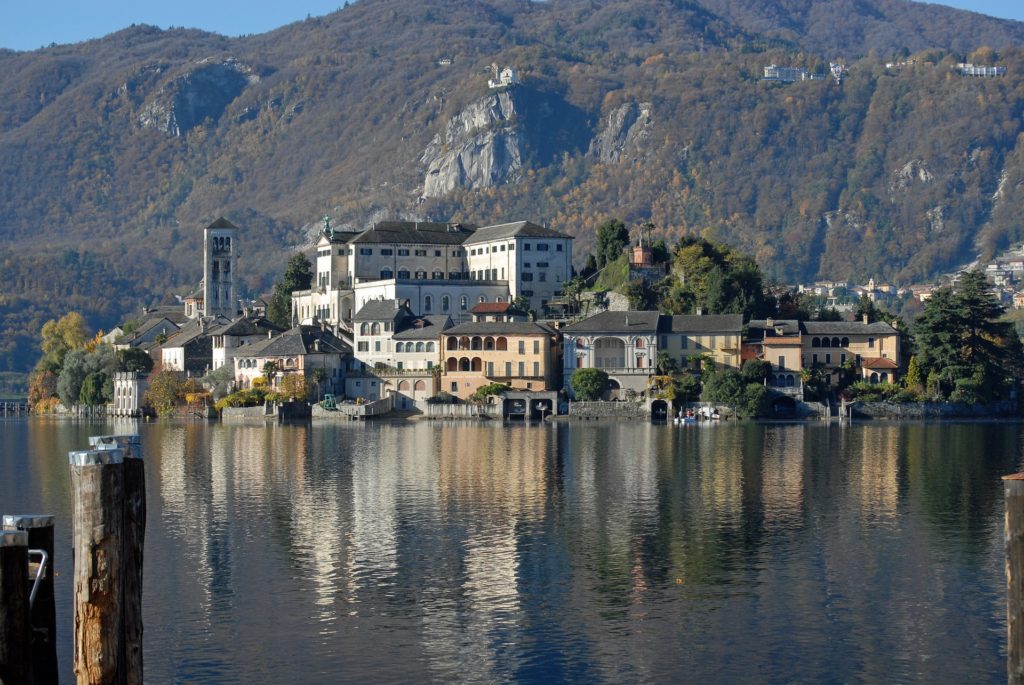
<point>592,553</point>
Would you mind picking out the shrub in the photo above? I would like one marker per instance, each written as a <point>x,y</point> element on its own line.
<point>588,384</point>
<point>485,391</point>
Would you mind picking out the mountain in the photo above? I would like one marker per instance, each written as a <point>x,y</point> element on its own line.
<point>117,151</point>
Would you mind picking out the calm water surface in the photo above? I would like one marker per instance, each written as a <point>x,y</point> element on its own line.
<point>586,553</point>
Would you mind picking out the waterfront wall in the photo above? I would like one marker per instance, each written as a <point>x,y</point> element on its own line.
<point>932,410</point>
<point>355,412</point>
<point>609,410</point>
<point>271,410</point>
<point>458,411</point>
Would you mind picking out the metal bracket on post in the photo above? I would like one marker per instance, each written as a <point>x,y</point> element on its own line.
<point>40,574</point>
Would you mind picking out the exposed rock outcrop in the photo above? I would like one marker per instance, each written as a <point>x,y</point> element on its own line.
<point>199,94</point>
<point>624,135</point>
<point>914,170</point>
<point>480,147</point>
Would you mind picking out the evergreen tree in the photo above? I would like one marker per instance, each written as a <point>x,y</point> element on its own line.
<point>298,275</point>
<point>612,237</point>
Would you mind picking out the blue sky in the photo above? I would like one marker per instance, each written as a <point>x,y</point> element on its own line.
<point>30,24</point>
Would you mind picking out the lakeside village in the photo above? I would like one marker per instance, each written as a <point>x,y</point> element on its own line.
<point>452,320</point>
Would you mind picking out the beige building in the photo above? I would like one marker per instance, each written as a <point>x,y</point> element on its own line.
<point>780,342</point>
<point>873,347</point>
<point>713,336</point>
<point>524,355</point>
<point>298,350</point>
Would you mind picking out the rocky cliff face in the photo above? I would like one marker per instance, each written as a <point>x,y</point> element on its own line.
<point>624,133</point>
<point>480,147</point>
<point>203,92</point>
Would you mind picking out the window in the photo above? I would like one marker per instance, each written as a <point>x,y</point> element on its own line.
<point>814,358</point>
<point>421,253</point>
<point>386,274</point>
<point>871,342</point>
<point>640,342</point>
<point>782,363</point>
<point>558,247</point>
<point>527,265</point>
<point>536,346</point>
<point>403,253</point>
<point>365,251</point>
<point>502,248</point>
<point>428,302</point>
<point>536,369</point>
<point>543,247</point>
<point>482,299</point>
<point>364,328</point>
<point>842,358</point>
<point>508,369</point>
<point>490,368</point>
<point>421,275</point>
<point>542,265</point>
<point>387,251</point>
<point>446,304</point>
<point>363,346</point>
<point>511,247</point>
<point>403,273</point>
<point>375,328</point>
<point>455,387</point>
<point>437,253</point>
<point>526,246</point>
<point>522,369</point>
<point>463,303</point>
<point>400,347</point>
<point>714,340</point>
<point>684,342</point>
<point>522,347</point>
<point>376,345</point>
<point>664,341</point>
<point>828,358</point>
<point>430,364</point>
<point>430,348</point>
<point>438,275</point>
<point>526,276</point>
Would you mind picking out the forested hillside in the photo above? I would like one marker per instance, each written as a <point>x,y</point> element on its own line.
<point>116,152</point>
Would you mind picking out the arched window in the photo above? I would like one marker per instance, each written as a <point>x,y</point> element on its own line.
<point>430,347</point>
<point>464,343</point>
<point>403,386</point>
<point>846,342</point>
<point>488,343</point>
<point>825,342</point>
<point>400,347</point>
<point>438,275</point>
<point>501,344</point>
<point>420,385</point>
<point>453,343</point>
<point>452,364</point>
<point>364,328</point>
<point>816,342</point>
<point>403,273</point>
<point>419,347</point>
<point>478,365</point>
<point>884,377</point>
<point>874,377</point>
<point>499,298</point>
<point>421,275</point>
<point>640,342</point>
<point>464,364</point>
<point>476,343</point>
<point>386,274</point>
<point>375,328</point>
<point>428,303</point>
<point>446,304</point>
<point>835,342</point>
<point>482,299</point>
<point>463,303</point>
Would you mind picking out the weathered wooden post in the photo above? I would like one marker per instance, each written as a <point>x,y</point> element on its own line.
<point>132,549</point>
<point>1013,489</point>
<point>15,623</point>
<point>43,605</point>
<point>97,483</point>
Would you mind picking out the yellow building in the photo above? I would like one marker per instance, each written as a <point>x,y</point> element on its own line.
<point>873,347</point>
<point>780,343</point>
<point>712,336</point>
<point>521,354</point>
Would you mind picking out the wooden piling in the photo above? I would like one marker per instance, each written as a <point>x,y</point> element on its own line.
<point>1013,490</point>
<point>15,624</point>
<point>133,547</point>
<point>43,610</point>
<point>97,483</point>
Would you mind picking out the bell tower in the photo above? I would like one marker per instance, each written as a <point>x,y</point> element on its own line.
<point>220,257</point>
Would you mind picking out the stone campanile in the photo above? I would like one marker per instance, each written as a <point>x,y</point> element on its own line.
<point>220,259</point>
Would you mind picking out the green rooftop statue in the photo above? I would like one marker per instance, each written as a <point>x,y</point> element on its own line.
<point>328,231</point>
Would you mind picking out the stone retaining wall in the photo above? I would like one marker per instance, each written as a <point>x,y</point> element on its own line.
<point>609,410</point>
<point>932,410</point>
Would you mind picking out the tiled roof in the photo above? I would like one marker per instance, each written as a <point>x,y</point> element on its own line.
<point>878,363</point>
<point>616,322</point>
<point>245,326</point>
<point>146,327</point>
<point>424,328</point>
<point>500,328</point>
<point>192,330</point>
<point>518,229</point>
<point>381,310</point>
<point>704,323</point>
<point>758,329</point>
<point>846,328</point>
<point>490,308</point>
<point>296,342</point>
<point>221,222</point>
<point>415,232</point>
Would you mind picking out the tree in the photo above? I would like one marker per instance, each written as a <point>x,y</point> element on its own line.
<point>318,375</point>
<point>293,386</point>
<point>756,371</point>
<point>91,394</point>
<point>612,238</point>
<point>166,391</point>
<point>298,275</point>
<point>962,345</point>
<point>134,359</point>
<point>269,371</point>
<point>42,386</point>
<point>72,375</point>
<point>58,337</point>
<point>588,384</point>
<point>641,298</point>
<point>912,379</point>
<point>666,364</point>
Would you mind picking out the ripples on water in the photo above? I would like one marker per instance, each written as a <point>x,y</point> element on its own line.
<point>585,553</point>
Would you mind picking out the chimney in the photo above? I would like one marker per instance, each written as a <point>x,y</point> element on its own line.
<point>769,323</point>
<point>700,311</point>
<point>866,319</point>
<point>270,334</point>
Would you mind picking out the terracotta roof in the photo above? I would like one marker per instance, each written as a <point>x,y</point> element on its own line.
<point>491,308</point>
<point>878,363</point>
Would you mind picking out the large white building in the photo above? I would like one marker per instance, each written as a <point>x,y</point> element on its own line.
<point>440,268</point>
